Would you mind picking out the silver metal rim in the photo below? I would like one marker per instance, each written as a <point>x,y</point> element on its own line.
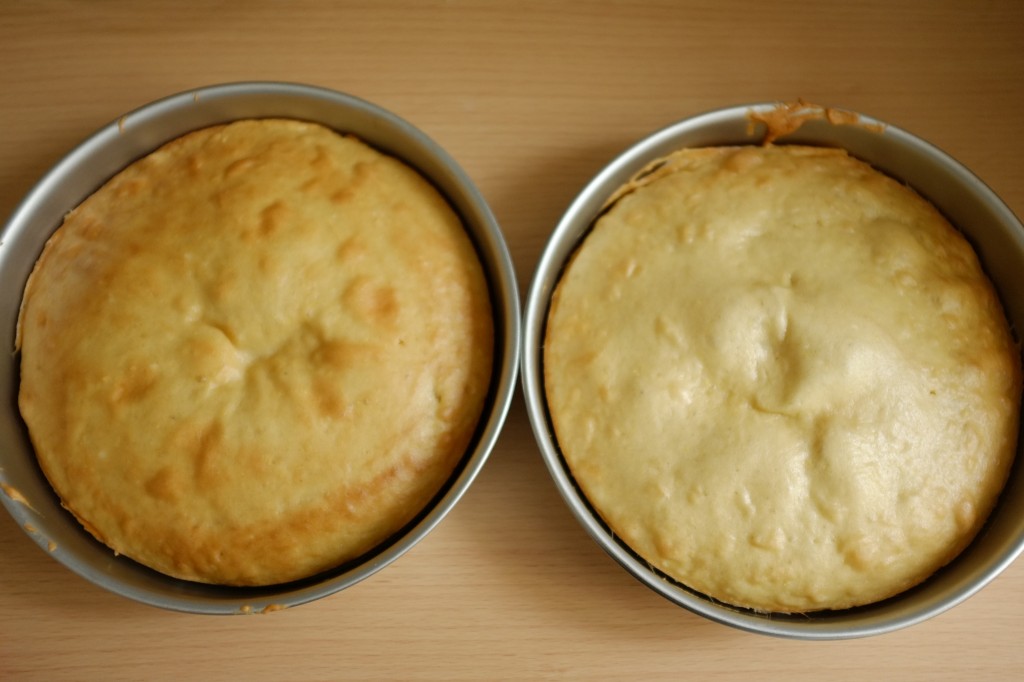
<point>933,173</point>
<point>140,131</point>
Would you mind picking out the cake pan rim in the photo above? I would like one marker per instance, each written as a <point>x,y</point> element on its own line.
<point>195,105</point>
<point>569,232</point>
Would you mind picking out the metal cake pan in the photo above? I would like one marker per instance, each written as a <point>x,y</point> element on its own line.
<point>992,228</point>
<point>24,490</point>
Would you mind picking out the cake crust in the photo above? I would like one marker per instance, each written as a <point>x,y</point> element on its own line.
<point>255,353</point>
<point>782,378</point>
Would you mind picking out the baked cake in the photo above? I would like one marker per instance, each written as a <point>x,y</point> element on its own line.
<point>782,378</point>
<point>255,354</point>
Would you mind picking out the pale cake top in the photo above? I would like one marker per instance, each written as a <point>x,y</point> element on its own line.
<point>782,378</point>
<point>256,353</point>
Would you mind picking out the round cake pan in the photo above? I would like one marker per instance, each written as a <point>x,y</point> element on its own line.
<point>992,228</point>
<point>23,488</point>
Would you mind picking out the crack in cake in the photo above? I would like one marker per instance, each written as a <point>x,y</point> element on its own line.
<point>782,378</point>
<point>255,354</point>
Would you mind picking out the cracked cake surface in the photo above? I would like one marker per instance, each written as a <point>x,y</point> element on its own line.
<point>255,353</point>
<point>782,378</point>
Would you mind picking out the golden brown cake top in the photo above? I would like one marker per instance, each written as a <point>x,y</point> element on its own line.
<point>256,353</point>
<point>782,378</point>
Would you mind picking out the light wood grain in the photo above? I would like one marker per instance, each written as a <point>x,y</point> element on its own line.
<point>532,98</point>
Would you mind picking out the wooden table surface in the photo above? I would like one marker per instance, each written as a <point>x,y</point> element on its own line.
<point>532,99</point>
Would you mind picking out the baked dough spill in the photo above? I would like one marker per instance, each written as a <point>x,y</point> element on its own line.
<point>255,354</point>
<point>782,378</point>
